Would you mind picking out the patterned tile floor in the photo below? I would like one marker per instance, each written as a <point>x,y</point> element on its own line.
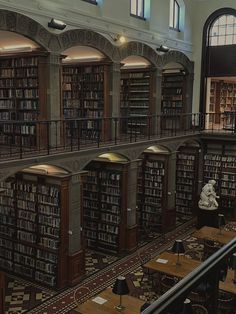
<point>21,296</point>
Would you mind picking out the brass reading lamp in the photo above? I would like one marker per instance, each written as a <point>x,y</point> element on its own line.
<point>187,307</point>
<point>178,248</point>
<point>221,222</point>
<point>120,288</point>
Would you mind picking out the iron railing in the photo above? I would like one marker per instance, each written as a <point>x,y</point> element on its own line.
<point>20,139</point>
<point>209,270</point>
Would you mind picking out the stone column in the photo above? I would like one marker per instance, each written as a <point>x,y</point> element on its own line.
<point>170,212</point>
<point>76,247</point>
<point>189,99</point>
<point>54,98</point>
<point>157,101</point>
<point>115,98</point>
<point>132,185</point>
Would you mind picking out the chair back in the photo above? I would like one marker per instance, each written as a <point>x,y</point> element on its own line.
<point>199,309</point>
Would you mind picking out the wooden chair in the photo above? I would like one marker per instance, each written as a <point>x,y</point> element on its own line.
<point>194,254</point>
<point>199,309</point>
<point>226,303</point>
<point>210,247</point>
<point>166,283</point>
<point>149,273</point>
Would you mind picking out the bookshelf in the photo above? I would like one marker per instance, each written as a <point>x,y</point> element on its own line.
<point>85,94</point>
<point>186,180</point>
<point>222,168</point>
<point>152,195</point>
<point>33,237</point>
<point>222,101</point>
<point>104,206</point>
<point>173,100</point>
<point>136,99</point>
<point>22,97</point>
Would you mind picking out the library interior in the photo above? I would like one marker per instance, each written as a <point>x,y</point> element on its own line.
<point>117,156</point>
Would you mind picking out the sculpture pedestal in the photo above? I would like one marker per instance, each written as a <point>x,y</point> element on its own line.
<point>207,217</point>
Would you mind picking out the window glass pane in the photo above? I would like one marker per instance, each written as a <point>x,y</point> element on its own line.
<point>214,31</point>
<point>171,24</point>
<point>176,17</point>
<point>133,7</point>
<point>221,40</point>
<point>222,20</point>
<point>221,30</point>
<point>213,41</point>
<point>229,40</point>
<point>230,29</point>
<point>140,8</point>
<point>230,19</point>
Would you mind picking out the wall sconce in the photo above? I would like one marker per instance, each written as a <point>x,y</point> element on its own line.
<point>56,24</point>
<point>163,48</point>
<point>120,38</point>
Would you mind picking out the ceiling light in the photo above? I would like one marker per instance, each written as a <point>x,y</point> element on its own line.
<point>56,24</point>
<point>16,48</point>
<point>163,48</point>
<point>120,38</point>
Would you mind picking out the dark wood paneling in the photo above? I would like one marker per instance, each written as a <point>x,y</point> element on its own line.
<point>76,267</point>
<point>132,239</point>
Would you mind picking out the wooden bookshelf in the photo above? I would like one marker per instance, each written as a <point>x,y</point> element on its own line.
<point>22,97</point>
<point>152,195</point>
<point>34,227</point>
<point>85,94</point>
<point>105,205</point>
<point>222,168</point>
<point>173,100</point>
<point>136,99</point>
<point>222,101</point>
<point>186,180</point>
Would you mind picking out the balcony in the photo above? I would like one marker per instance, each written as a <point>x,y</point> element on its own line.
<point>23,139</point>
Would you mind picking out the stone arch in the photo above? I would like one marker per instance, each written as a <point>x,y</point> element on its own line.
<point>177,57</point>
<point>196,141</point>
<point>89,38</point>
<point>139,49</point>
<point>24,25</point>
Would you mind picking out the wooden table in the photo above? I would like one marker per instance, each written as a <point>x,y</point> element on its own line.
<point>214,234</point>
<point>170,268</point>
<point>228,284</point>
<point>132,305</point>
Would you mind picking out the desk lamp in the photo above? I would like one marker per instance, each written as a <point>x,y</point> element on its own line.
<point>187,308</point>
<point>221,222</point>
<point>234,267</point>
<point>120,288</point>
<point>178,248</point>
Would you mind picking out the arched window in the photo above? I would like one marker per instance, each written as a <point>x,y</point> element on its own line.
<point>223,31</point>
<point>174,14</point>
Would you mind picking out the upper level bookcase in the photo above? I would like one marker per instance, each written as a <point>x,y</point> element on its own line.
<point>136,99</point>
<point>22,97</point>
<point>85,94</point>
<point>34,226</point>
<point>173,100</point>
<point>105,205</point>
